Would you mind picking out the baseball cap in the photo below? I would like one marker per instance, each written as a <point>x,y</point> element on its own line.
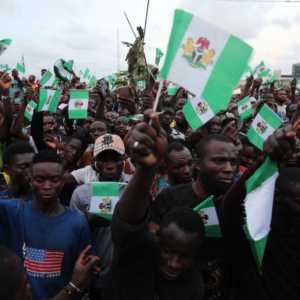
<point>109,142</point>
<point>230,117</point>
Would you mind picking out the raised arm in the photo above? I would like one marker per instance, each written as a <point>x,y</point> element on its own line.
<point>99,115</point>
<point>152,144</point>
<point>246,89</point>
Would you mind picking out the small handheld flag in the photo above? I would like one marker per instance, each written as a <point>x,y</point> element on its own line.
<point>30,109</point>
<point>21,65</point>
<point>48,100</point>
<point>4,44</point>
<point>245,108</point>
<point>48,80</point>
<point>158,56</point>
<point>78,104</point>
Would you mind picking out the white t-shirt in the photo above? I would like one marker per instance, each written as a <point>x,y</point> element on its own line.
<point>84,175</point>
<point>282,110</point>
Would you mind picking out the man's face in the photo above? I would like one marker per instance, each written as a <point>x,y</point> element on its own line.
<point>74,150</point>
<point>92,103</point>
<point>111,116</point>
<point>215,124</point>
<point>87,125</point>
<point>179,117</point>
<point>167,116</point>
<point>109,165</point>
<point>194,136</point>
<point>109,104</point>
<point>269,100</point>
<point>49,123</point>
<point>180,166</point>
<point>46,180</point>
<point>14,73</point>
<point>220,161</point>
<point>61,149</point>
<point>120,126</point>
<point>292,110</point>
<point>180,103</point>
<point>19,170</point>
<point>31,79</point>
<point>97,129</point>
<point>281,95</point>
<point>176,251</point>
<point>43,72</point>
<point>248,157</point>
<point>96,97</point>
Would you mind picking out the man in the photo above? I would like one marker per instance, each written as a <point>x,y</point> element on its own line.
<point>16,85</point>
<point>216,165</point>
<point>40,230</point>
<point>17,159</point>
<point>290,110</point>
<point>109,103</point>
<point>249,154</point>
<point>87,128</point>
<point>181,123</point>
<point>167,118</point>
<point>109,153</point>
<point>180,102</point>
<point>280,277</point>
<point>145,268</point>
<point>215,124</point>
<point>180,165</point>
<point>280,99</point>
<point>121,126</point>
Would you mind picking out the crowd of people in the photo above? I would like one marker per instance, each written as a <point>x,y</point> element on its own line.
<point>52,247</point>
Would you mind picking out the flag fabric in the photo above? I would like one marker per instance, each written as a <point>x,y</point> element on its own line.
<point>111,79</point>
<point>115,76</point>
<point>48,80</point>
<point>80,73</point>
<point>4,44</point>
<point>245,108</point>
<point>250,71</point>
<point>269,78</point>
<point>43,261</point>
<point>78,104</point>
<point>207,211</point>
<point>158,56</point>
<point>137,117</point>
<point>172,89</point>
<point>205,59</point>
<point>105,196</point>
<point>21,65</point>
<point>86,73</point>
<point>30,109</point>
<point>258,206</point>
<point>141,84</point>
<point>92,79</point>
<point>4,67</point>
<point>264,124</point>
<point>48,100</point>
<point>261,70</point>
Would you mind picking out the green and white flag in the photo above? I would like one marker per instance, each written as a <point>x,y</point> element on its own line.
<point>48,80</point>
<point>269,78</point>
<point>78,104</point>
<point>264,124</point>
<point>92,79</point>
<point>258,206</point>
<point>262,70</point>
<point>105,196</point>
<point>204,59</point>
<point>137,117</point>
<point>21,65</point>
<point>209,215</point>
<point>86,73</point>
<point>158,56</point>
<point>172,88</point>
<point>111,79</point>
<point>30,109</point>
<point>80,73</point>
<point>4,67</point>
<point>4,44</point>
<point>141,84</point>
<point>249,72</point>
<point>48,100</point>
<point>245,108</point>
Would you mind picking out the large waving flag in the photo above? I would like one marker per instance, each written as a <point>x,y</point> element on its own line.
<point>48,100</point>
<point>21,65</point>
<point>4,44</point>
<point>48,80</point>
<point>205,60</point>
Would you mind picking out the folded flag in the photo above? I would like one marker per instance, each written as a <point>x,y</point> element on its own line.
<point>261,70</point>
<point>78,104</point>
<point>258,206</point>
<point>141,84</point>
<point>21,65</point>
<point>86,73</point>
<point>207,211</point>
<point>48,80</point>
<point>172,88</point>
<point>30,109</point>
<point>264,124</point>
<point>204,59</point>
<point>48,100</point>
<point>245,108</point>
<point>4,44</point>
<point>137,117</point>
<point>105,196</point>
<point>158,56</point>
<point>269,78</point>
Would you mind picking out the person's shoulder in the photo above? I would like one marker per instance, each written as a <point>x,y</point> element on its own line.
<point>126,177</point>
<point>183,187</point>
<point>83,188</point>
<point>4,194</point>
<point>76,218</point>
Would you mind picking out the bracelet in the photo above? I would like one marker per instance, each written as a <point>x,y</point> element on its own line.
<point>68,292</point>
<point>75,287</point>
<point>6,97</point>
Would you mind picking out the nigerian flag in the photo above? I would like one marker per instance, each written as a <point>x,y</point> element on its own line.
<point>261,70</point>
<point>264,124</point>
<point>86,73</point>
<point>137,117</point>
<point>172,88</point>
<point>48,80</point>
<point>158,56</point>
<point>48,100</point>
<point>92,79</point>
<point>207,211</point>
<point>105,196</point>
<point>269,78</point>
<point>30,109</point>
<point>78,104</point>
<point>4,67</point>
<point>205,60</point>
<point>80,73</point>
<point>141,84</point>
<point>4,44</point>
<point>245,108</point>
<point>21,65</point>
<point>111,79</point>
<point>258,206</point>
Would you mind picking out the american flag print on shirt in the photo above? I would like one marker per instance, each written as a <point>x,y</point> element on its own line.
<point>43,261</point>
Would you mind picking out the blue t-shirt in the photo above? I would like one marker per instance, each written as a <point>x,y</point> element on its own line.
<point>6,195</point>
<point>48,246</point>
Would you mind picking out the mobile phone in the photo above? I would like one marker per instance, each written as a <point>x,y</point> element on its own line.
<point>17,100</point>
<point>104,87</point>
<point>125,91</point>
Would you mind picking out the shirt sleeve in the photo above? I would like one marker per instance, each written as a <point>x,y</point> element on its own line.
<point>158,209</point>
<point>79,176</point>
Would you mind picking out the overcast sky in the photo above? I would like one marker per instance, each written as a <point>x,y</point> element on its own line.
<point>86,30</point>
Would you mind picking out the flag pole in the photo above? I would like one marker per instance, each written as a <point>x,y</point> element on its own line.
<point>157,98</point>
<point>146,20</point>
<point>129,24</point>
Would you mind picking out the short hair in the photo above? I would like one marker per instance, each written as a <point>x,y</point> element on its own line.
<point>245,142</point>
<point>186,219</point>
<point>123,115</point>
<point>207,126</point>
<point>173,147</point>
<point>178,98</point>
<point>43,70</point>
<point>108,128</point>
<point>78,137</point>
<point>168,104</point>
<point>45,156</point>
<point>14,149</point>
<point>287,179</point>
<point>8,273</point>
<point>287,109</point>
<point>204,143</point>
